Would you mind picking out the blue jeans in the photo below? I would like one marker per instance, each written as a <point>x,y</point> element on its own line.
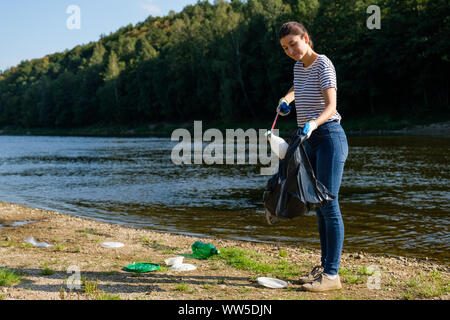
<point>327,150</point>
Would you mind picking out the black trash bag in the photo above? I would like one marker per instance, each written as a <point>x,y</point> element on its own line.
<point>294,190</point>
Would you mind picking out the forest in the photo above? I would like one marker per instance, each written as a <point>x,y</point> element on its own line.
<point>223,62</point>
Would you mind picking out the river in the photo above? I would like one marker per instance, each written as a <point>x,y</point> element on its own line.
<point>395,194</point>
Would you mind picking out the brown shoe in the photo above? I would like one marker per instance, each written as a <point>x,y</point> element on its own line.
<point>323,283</point>
<point>313,275</point>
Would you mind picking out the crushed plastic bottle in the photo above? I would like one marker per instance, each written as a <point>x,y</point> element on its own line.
<point>203,250</point>
<point>277,144</point>
<point>32,241</point>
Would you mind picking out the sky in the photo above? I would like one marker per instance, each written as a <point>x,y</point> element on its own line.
<point>34,28</point>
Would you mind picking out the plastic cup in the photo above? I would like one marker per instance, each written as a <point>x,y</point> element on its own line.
<point>174,261</point>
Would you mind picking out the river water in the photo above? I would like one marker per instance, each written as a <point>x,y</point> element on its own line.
<point>395,194</point>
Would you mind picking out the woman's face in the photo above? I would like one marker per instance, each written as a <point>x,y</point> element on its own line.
<point>295,46</point>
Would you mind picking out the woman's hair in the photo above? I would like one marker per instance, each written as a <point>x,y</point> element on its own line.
<point>296,28</point>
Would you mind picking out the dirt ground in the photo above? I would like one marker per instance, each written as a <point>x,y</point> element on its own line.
<point>77,246</point>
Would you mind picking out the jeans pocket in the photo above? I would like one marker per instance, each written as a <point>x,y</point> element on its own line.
<point>344,145</point>
<point>338,136</point>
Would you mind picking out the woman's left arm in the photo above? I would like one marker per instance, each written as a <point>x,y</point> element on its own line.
<point>329,95</point>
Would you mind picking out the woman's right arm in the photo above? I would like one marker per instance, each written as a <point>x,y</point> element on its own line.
<point>284,103</point>
<point>289,97</point>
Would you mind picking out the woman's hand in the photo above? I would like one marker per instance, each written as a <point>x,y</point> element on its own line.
<point>309,127</point>
<point>283,107</point>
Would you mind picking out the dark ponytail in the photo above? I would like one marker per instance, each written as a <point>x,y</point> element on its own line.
<point>296,28</point>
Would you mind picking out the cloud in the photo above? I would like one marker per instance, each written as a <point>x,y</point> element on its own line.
<point>148,6</point>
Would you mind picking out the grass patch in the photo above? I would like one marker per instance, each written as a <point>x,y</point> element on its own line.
<point>159,246</point>
<point>107,296</point>
<point>206,286</point>
<point>353,279</point>
<point>181,287</point>
<point>90,288</point>
<point>364,271</point>
<point>426,286</point>
<point>390,284</point>
<point>47,272</point>
<point>259,263</point>
<point>8,243</point>
<point>408,295</point>
<point>359,276</point>
<point>9,277</point>
<point>283,253</point>
<point>344,272</point>
<point>60,247</point>
<point>92,231</point>
<point>146,241</point>
<point>246,290</point>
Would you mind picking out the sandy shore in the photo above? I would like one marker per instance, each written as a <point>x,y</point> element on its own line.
<point>77,242</point>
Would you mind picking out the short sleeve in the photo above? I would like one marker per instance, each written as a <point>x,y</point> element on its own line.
<point>327,75</point>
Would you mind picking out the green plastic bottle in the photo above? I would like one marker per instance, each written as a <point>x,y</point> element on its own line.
<point>203,250</point>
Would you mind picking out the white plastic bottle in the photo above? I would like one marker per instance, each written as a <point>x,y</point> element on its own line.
<point>277,144</point>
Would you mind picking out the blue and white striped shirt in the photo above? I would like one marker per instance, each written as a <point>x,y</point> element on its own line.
<point>308,85</point>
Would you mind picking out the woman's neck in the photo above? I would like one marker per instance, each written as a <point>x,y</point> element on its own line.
<point>309,58</point>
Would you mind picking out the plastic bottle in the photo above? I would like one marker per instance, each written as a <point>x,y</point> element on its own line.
<point>204,250</point>
<point>277,144</point>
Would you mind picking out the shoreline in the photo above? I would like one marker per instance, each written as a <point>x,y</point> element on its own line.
<point>165,129</point>
<point>231,275</point>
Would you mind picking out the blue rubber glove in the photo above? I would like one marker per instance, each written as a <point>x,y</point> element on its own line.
<point>309,127</point>
<point>283,107</point>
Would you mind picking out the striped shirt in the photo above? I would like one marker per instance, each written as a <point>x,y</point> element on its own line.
<point>308,85</point>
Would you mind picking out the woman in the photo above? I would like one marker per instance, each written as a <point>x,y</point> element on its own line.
<point>314,92</point>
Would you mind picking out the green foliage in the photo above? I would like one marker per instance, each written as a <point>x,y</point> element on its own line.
<point>258,263</point>
<point>426,286</point>
<point>9,277</point>
<point>223,62</point>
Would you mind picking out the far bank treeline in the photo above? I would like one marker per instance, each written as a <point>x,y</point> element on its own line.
<point>223,62</point>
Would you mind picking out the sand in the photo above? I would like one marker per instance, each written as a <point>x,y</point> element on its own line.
<point>46,272</point>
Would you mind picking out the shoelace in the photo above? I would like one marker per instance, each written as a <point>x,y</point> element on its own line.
<point>316,271</point>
